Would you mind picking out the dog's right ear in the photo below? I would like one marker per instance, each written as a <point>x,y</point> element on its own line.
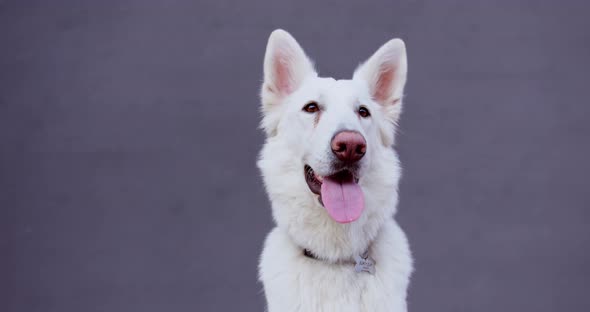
<point>285,68</point>
<point>385,74</point>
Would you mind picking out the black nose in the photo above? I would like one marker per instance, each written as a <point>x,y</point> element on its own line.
<point>349,146</point>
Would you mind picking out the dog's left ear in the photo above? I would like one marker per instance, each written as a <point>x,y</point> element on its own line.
<point>385,75</point>
<point>285,67</point>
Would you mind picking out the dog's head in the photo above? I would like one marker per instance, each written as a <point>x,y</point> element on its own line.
<point>329,134</point>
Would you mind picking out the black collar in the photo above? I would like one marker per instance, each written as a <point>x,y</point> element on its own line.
<point>362,263</point>
<point>309,254</point>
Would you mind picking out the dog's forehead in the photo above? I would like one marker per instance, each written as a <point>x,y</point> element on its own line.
<point>339,92</point>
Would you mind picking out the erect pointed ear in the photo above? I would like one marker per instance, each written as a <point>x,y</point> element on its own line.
<point>285,67</point>
<point>385,75</point>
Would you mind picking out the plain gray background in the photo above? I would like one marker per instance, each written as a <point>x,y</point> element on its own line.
<point>128,136</point>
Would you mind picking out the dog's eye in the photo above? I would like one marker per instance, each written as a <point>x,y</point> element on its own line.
<point>364,112</point>
<point>311,107</point>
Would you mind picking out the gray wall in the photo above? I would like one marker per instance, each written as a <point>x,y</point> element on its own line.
<point>128,136</point>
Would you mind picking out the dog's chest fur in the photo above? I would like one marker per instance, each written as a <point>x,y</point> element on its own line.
<point>294,282</point>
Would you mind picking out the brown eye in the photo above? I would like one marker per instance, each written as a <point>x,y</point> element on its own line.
<point>364,112</point>
<point>311,107</point>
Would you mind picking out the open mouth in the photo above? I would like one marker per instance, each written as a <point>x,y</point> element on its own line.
<point>339,193</point>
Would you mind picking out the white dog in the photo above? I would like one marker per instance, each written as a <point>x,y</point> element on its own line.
<point>332,177</point>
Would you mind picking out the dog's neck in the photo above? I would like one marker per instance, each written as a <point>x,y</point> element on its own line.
<point>329,240</point>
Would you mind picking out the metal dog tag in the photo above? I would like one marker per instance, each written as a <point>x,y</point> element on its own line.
<point>364,263</point>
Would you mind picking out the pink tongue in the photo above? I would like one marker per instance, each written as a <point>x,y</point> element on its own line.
<point>344,200</point>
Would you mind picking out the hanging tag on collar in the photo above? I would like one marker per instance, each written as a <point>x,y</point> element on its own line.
<point>364,263</point>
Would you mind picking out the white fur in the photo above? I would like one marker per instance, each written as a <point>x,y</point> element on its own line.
<point>293,282</point>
